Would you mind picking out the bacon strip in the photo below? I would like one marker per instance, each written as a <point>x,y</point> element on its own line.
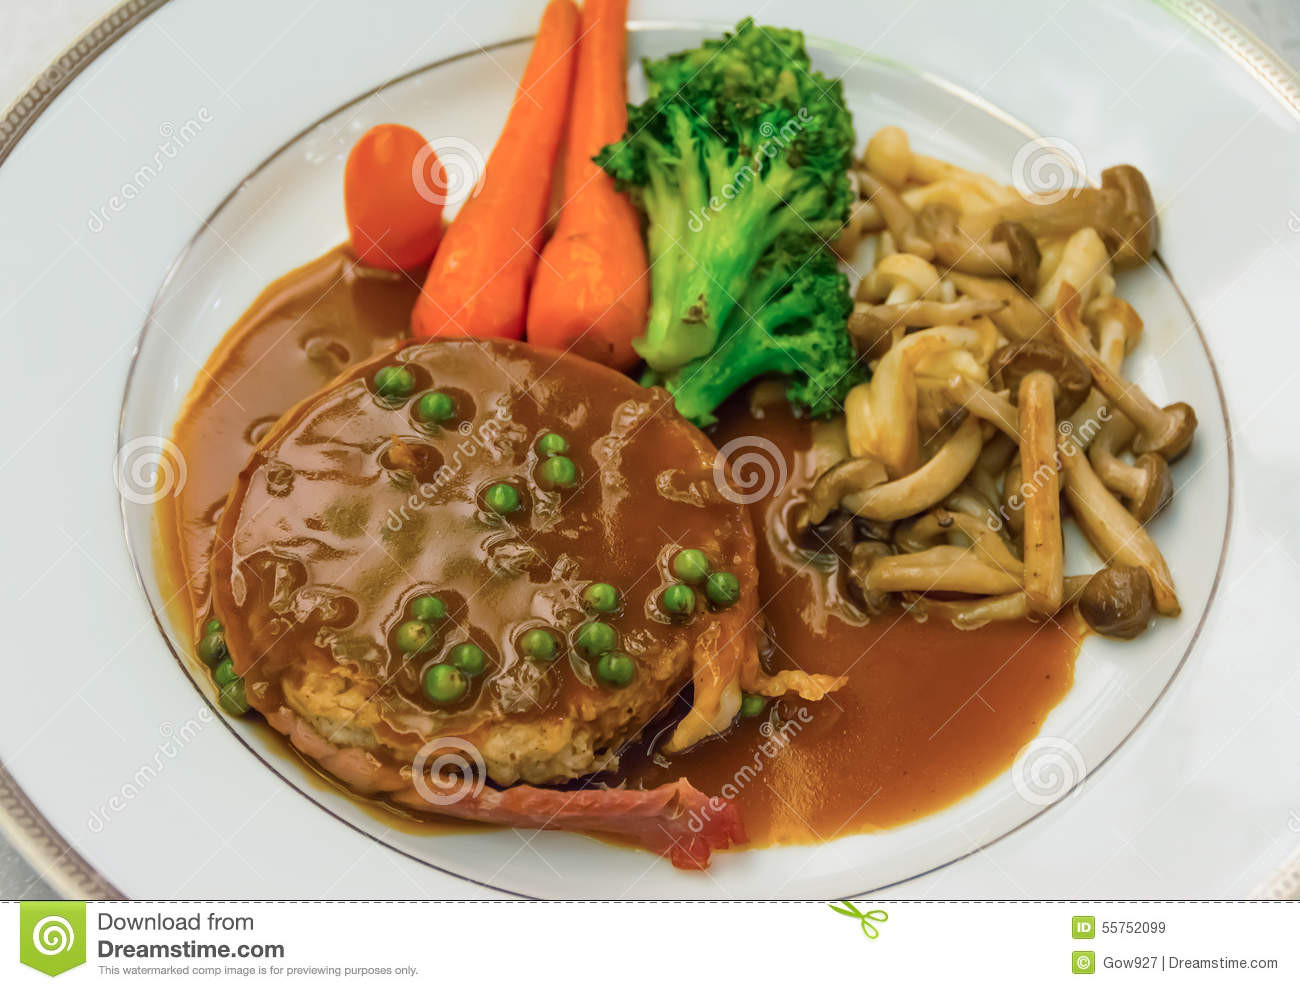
<point>674,820</point>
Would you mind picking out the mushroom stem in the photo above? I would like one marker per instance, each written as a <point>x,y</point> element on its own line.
<point>947,569</point>
<point>881,414</point>
<point>1146,485</point>
<point>913,493</point>
<point>1115,534</point>
<point>1044,548</point>
<point>988,406</point>
<point>972,613</point>
<point>875,328</point>
<point>1020,318</point>
<point>853,475</point>
<point>1123,211</point>
<point>1166,431</point>
<point>897,216</point>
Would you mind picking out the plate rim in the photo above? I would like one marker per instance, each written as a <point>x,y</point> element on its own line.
<point>56,860</point>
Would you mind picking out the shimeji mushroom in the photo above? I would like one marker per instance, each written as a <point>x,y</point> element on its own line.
<point>861,559</point>
<point>1112,531</point>
<point>940,527</point>
<point>898,218</point>
<point>960,570</point>
<point>874,327</point>
<point>1146,485</point>
<point>1167,431</point>
<point>1019,318</point>
<point>857,474</point>
<point>899,278</point>
<point>889,156</point>
<point>989,406</point>
<point>1118,601</point>
<point>1117,329</point>
<point>971,613</point>
<point>1008,251</point>
<point>931,483</point>
<point>1123,211</point>
<point>1085,264</point>
<point>881,414</point>
<point>1048,384</point>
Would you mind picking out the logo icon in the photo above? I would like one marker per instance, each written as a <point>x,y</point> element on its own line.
<point>1083,926</point>
<point>1083,962</point>
<point>52,935</point>
<point>866,918</point>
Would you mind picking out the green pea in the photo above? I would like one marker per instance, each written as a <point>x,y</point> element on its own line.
<point>224,672</point>
<point>214,625</point>
<point>616,669</point>
<point>468,659</point>
<point>692,566</point>
<point>444,684</point>
<point>551,443</point>
<point>428,608</point>
<point>600,597</point>
<point>232,698</point>
<point>595,638</point>
<point>678,599</point>
<point>394,381</point>
<point>502,499</point>
<point>559,472</point>
<point>538,644</point>
<point>751,705</point>
<point>722,588</point>
<point>413,636</point>
<point>435,407</point>
<point>212,648</point>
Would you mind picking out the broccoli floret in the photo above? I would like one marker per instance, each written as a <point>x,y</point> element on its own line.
<point>790,322</point>
<point>739,146</point>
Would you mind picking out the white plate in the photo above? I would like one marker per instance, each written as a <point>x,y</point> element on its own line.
<point>127,763</point>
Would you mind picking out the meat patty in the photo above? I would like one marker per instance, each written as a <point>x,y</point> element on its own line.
<point>354,506</point>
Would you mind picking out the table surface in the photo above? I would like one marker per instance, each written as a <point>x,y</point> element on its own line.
<point>33,32</point>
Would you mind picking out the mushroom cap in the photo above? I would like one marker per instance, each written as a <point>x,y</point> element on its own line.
<point>904,269</point>
<point>1117,601</point>
<point>1024,253</point>
<point>889,155</point>
<point>1113,310</point>
<point>1159,487</point>
<point>1014,361</point>
<point>1132,237</point>
<point>1174,434</point>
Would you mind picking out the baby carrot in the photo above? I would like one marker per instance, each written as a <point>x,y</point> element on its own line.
<point>592,289</point>
<point>394,188</point>
<point>478,283</point>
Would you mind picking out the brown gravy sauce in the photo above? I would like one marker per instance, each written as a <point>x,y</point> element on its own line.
<point>929,713</point>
